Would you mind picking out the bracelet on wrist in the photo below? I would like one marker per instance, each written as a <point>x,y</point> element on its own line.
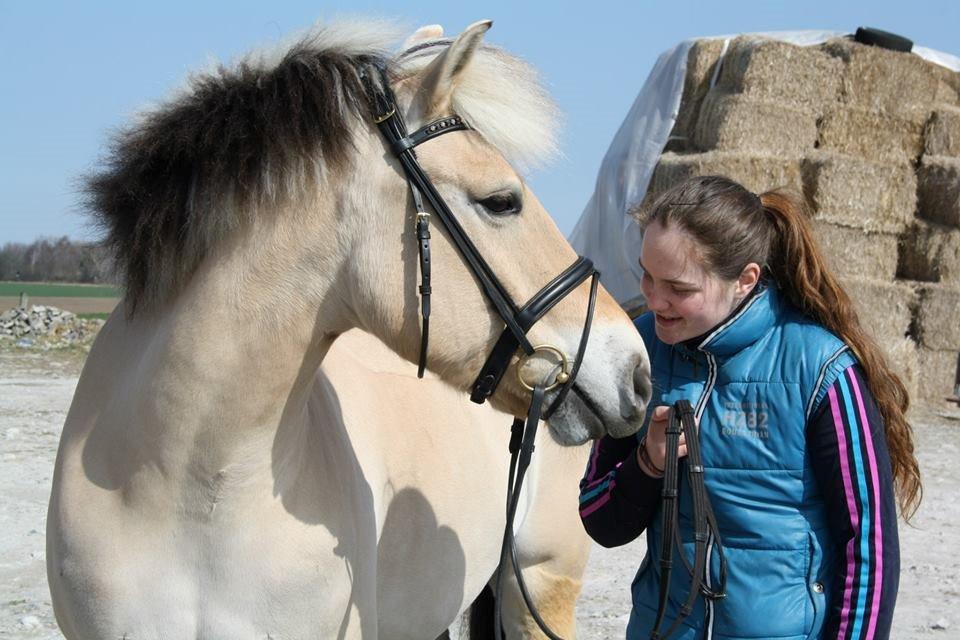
<point>647,462</point>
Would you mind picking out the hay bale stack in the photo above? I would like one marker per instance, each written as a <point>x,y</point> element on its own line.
<point>937,372</point>
<point>937,318</point>
<point>884,81</point>
<point>701,65</point>
<point>938,190</point>
<point>931,253</point>
<point>855,253</point>
<point>904,358</point>
<point>873,135</point>
<point>886,309</point>
<point>773,71</point>
<point>757,173</point>
<point>731,121</point>
<point>858,193</point>
<point>941,136</point>
<point>948,86</point>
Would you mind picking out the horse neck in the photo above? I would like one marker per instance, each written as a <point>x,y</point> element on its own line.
<point>234,355</point>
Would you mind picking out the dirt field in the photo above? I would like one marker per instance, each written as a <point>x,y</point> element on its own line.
<point>35,393</point>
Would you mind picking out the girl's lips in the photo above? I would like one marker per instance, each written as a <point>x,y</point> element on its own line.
<point>666,322</point>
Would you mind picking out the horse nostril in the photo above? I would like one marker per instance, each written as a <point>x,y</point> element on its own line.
<point>642,386</point>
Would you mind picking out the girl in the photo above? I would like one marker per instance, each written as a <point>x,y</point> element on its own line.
<point>801,421</point>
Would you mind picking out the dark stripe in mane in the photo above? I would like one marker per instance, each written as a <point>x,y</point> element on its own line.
<point>180,180</point>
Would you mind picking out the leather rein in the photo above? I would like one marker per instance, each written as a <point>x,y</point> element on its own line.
<point>518,320</point>
<point>705,529</point>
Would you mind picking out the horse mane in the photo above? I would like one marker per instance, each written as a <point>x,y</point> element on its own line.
<point>241,140</point>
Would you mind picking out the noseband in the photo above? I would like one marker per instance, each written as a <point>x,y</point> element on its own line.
<point>517,320</point>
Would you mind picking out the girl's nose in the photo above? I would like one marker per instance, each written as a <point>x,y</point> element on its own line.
<point>655,302</point>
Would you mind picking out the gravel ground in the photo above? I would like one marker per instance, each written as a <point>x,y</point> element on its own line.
<point>35,393</point>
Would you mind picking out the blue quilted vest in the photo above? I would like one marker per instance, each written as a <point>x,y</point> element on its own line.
<point>753,381</point>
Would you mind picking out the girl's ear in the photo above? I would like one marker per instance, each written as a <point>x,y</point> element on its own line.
<point>748,279</point>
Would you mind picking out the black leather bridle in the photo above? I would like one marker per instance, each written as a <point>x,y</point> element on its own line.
<point>517,320</point>
<point>705,529</point>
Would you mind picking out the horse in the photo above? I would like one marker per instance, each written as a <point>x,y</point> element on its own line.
<point>201,489</point>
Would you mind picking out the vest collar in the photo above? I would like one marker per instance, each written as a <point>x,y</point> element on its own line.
<point>745,326</point>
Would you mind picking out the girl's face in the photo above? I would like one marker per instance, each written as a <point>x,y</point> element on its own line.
<point>686,299</point>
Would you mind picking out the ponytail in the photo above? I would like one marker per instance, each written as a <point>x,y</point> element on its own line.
<point>799,268</point>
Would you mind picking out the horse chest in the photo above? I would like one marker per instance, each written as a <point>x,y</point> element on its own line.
<point>246,569</point>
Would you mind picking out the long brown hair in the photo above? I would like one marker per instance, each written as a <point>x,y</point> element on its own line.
<point>733,227</point>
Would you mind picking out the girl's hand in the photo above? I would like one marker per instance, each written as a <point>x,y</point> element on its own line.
<point>655,443</point>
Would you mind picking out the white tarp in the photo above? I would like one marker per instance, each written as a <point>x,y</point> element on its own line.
<point>605,233</point>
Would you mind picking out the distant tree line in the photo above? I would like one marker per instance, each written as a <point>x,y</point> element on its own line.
<point>55,260</point>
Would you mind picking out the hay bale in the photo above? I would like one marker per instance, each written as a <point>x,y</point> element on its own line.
<point>903,356</point>
<point>855,253</point>
<point>948,85</point>
<point>871,135</point>
<point>938,370</point>
<point>941,137</point>
<point>931,253</point>
<point>757,173</point>
<point>937,318</point>
<point>885,308</point>
<point>775,71</point>
<point>881,80</point>
<point>701,63</point>
<point>735,122</point>
<point>938,190</point>
<point>859,193</point>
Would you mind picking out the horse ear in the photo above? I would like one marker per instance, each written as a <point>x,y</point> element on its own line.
<point>443,73</point>
<point>424,34</point>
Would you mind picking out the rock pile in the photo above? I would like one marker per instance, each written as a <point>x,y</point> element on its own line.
<point>871,138</point>
<point>46,327</point>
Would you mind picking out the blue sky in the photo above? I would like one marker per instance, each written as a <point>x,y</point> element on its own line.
<point>72,72</point>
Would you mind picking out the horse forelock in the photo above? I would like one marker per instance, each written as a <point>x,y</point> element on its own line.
<point>243,139</point>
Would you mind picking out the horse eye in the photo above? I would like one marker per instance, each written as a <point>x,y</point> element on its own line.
<point>502,204</point>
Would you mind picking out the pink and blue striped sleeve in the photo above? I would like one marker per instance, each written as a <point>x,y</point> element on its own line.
<point>617,499</point>
<point>849,457</point>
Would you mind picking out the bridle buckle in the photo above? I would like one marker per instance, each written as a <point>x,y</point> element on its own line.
<point>386,116</point>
